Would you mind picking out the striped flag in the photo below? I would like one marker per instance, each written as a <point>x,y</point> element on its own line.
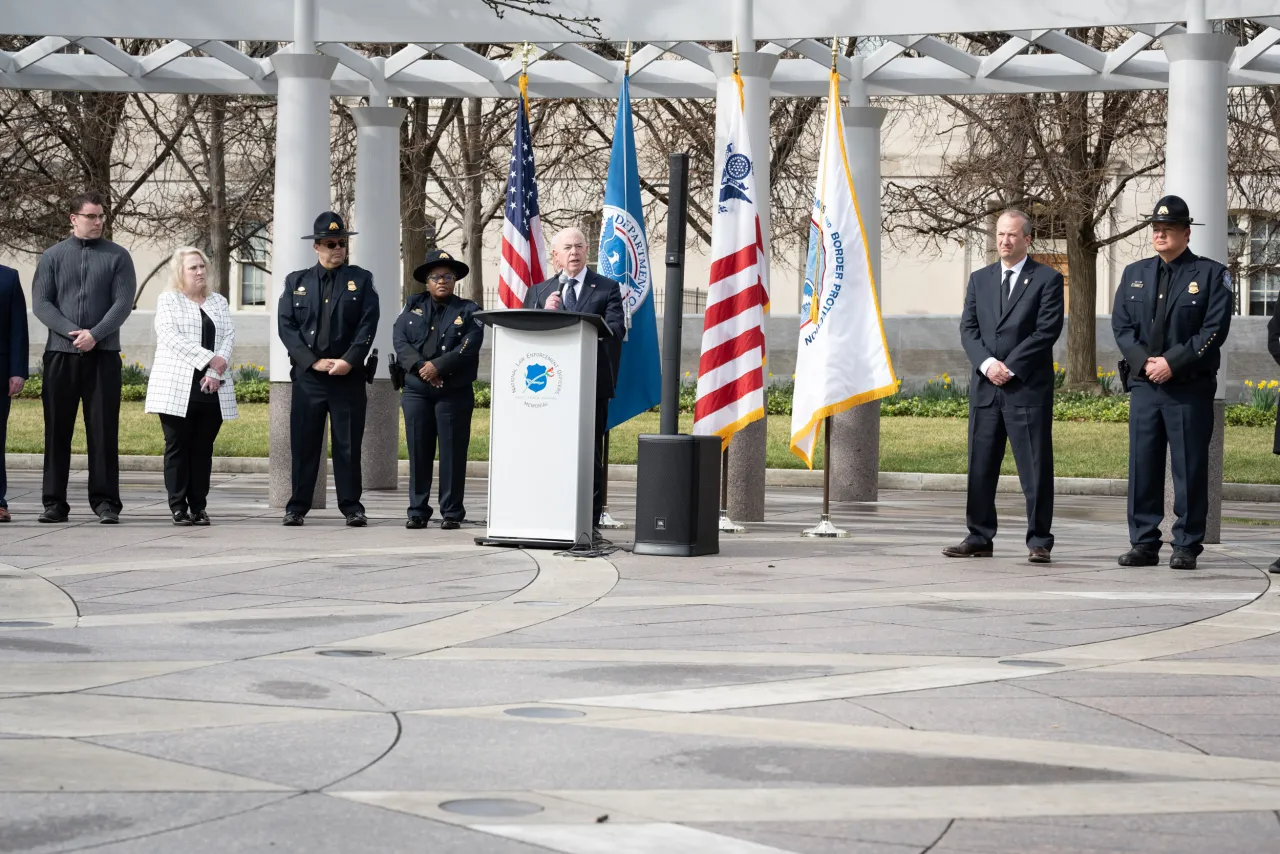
<point>523,247</point>
<point>731,370</point>
<point>842,358</point>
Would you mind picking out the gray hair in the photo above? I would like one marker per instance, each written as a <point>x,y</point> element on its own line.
<point>573,229</point>
<point>1022,215</point>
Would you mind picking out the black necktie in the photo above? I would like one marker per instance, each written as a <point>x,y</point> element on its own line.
<point>435,316</point>
<point>322,330</point>
<point>1164,277</point>
<point>1004,290</point>
<point>571,295</point>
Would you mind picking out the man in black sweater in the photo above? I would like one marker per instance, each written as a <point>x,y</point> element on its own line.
<point>83,291</point>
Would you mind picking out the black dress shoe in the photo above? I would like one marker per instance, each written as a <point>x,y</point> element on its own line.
<point>356,520</point>
<point>450,525</point>
<point>1182,559</point>
<point>413,523</point>
<point>1275,566</point>
<point>1038,554</point>
<point>180,517</point>
<point>52,516</point>
<point>199,517</point>
<point>107,516</point>
<point>293,520</point>
<point>1139,556</point>
<point>968,549</point>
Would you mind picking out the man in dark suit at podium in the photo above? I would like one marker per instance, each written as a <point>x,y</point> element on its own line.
<point>1012,317</point>
<point>576,288</point>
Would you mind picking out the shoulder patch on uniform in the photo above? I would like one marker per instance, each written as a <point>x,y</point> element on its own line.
<point>1226,279</point>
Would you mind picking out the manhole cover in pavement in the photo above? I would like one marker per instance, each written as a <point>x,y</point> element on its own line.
<point>1026,662</point>
<point>539,712</point>
<point>491,807</point>
<point>22,624</point>
<point>349,653</point>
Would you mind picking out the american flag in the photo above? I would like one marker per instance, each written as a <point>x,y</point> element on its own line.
<point>523,247</point>
<point>731,370</point>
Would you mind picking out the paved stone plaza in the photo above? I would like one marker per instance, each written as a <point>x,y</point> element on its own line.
<point>186,690</point>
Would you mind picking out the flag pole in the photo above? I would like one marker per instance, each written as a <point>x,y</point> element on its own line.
<point>727,525</point>
<point>606,521</point>
<point>824,528</point>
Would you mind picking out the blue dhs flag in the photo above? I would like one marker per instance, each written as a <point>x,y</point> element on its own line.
<point>624,257</point>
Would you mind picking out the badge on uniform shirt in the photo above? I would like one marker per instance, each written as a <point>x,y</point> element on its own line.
<point>1135,284</point>
<point>1193,288</point>
<point>351,286</point>
<point>457,321</point>
<point>417,311</point>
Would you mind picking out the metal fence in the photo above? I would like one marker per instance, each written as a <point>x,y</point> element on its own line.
<point>694,302</point>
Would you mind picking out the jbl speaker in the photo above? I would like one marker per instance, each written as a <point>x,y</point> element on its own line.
<point>678,495</point>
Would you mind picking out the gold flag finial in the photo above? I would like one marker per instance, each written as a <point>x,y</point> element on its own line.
<point>735,54</point>
<point>835,51</point>
<point>524,58</point>
<point>626,61</point>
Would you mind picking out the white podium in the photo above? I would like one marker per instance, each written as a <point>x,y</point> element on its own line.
<point>541,427</point>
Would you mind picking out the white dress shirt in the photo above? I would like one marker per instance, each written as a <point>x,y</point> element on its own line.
<point>1013,283</point>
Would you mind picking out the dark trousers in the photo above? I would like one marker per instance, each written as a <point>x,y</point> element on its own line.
<point>188,454</point>
<point>1181,420</point>
<point>1029,429</point>
<point>343,400</point>
<point>442,415</point>
<point>69,379</point>
<point>4,430</point>
<point>597,481</point>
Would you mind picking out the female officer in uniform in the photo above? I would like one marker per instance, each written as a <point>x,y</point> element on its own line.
<point>437,340</point>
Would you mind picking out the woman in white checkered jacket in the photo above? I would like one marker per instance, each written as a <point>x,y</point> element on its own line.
<point>190,384</point>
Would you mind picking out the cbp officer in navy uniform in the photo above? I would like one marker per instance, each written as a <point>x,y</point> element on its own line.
<point>327,318</point>
<point>437,340</point>
<point>1170,318</point>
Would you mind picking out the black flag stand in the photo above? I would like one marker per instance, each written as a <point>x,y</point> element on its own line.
<point>606,522</point>
<point>825,528</point>
<point>727,525</point>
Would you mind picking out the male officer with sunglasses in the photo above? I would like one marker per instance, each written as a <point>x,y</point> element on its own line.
<point>1171,317</point>
<point>327,319</point>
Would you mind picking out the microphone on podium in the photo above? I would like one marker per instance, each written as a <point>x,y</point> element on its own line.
<point>564,280</point>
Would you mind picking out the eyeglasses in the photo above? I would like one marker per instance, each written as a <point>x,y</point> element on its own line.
<point>334,244</point>
<point>94,217</point>
<point>446,279</point>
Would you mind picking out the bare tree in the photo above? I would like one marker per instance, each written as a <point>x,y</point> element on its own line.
<point>1064,157</point>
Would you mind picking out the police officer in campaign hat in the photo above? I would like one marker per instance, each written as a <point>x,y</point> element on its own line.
<point>327,318</point>
<point>437,341</point>
<point>1171,316</point>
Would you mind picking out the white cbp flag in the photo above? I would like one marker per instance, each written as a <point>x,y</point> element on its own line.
<point>842,358</point>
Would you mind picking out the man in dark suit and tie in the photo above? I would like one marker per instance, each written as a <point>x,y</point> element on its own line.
<point>1012,317</point>
<point>13,360</point>
<point>585,291</point>
<point>1171,316</point>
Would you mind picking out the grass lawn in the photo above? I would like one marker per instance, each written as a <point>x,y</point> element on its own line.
<point>906,444</point>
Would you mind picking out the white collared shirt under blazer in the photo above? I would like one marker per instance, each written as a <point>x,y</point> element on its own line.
<point>179,353</point>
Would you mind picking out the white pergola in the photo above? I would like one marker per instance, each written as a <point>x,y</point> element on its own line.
<point>321,58</point>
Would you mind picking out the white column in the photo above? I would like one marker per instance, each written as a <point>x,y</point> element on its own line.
<point>377,249</point>
<point>1196,170</point>
<point>747,451</point>
<point>855,434</point>
<point>302,193</point>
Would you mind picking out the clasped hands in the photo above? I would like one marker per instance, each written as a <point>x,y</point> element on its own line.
<point>218,365</point>
<point>82,340</point>
<point>999,373</point>
<point>1157,369</point>
<point>428,374</point>
<point>332,367</point>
